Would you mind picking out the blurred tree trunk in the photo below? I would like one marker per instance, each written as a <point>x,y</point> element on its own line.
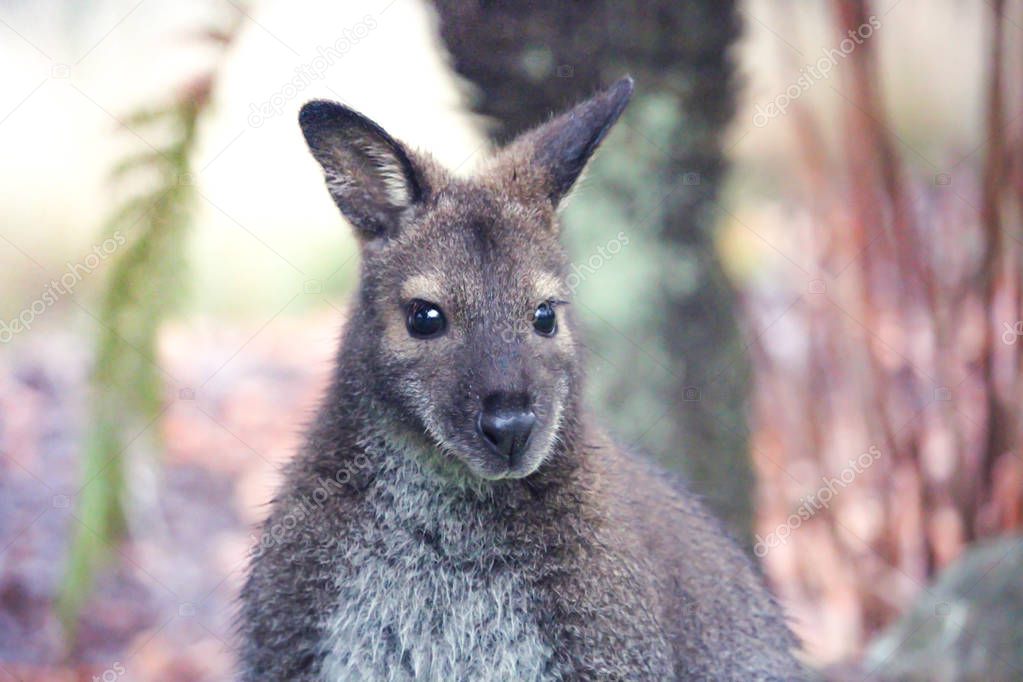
<point>529,60</point>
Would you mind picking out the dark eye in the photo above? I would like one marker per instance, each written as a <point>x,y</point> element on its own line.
<point>544,319</point>
<point>425,319</point>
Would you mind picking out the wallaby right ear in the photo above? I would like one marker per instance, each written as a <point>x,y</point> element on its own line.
<point>546,162</point>
<point>370,175</point>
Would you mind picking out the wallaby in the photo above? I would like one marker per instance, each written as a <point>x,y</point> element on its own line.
<point>454,513</point>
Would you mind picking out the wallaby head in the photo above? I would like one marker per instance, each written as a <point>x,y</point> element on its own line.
<point>462,318</point>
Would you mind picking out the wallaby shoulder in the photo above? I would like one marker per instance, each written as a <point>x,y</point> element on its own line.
<point>708,585</point>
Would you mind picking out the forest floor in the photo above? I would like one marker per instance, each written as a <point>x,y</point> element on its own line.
<point>163,606</point>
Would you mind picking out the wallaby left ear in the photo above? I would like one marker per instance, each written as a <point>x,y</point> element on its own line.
<point>555,153</point>
<point>371,176</point>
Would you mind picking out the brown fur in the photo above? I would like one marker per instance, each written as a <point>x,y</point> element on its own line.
<point>435,558</point>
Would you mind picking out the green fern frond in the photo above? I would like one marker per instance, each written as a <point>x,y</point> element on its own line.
<point>142,290</point>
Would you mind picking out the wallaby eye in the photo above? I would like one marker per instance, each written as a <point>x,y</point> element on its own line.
<point>425,319</point>
<point>545,321</point>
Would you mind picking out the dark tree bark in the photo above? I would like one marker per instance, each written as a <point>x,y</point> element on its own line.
<point>529,59</point>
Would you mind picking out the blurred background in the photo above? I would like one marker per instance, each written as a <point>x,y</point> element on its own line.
<point>797,258</point>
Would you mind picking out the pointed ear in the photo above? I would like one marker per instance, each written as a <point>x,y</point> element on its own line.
<point>370,175</point>
<point>549,159</point>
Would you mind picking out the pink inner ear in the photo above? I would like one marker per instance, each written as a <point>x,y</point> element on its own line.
<point>370,175</point>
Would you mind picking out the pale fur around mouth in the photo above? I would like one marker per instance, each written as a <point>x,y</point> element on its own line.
<point>539,450</point>
<point>455,454</point>
<point>469,461</point>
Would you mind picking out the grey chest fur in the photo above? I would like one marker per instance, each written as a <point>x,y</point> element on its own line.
<point>422,597</point>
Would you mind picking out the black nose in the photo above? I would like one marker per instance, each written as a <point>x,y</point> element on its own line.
<point>505,423</point>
